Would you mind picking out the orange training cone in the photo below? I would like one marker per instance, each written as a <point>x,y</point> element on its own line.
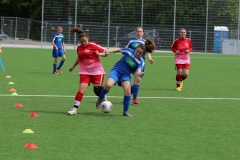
<point>30,145</point>
<point>33,114</point>
<point>8,76</point>
<point>18,105</point>
<point>0,49</point>
<point>12,90</point>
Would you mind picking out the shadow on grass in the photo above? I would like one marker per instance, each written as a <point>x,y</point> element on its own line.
<point>95,114</point>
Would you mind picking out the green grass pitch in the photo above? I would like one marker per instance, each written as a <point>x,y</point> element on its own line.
<point>199,123</point>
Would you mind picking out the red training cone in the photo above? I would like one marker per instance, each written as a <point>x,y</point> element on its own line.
<point>18,105</point>
<point>33,114</point>
<point>12,90</point>
<point>30,145</point>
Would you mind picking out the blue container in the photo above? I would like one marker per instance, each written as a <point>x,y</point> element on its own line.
<point>220,33</point>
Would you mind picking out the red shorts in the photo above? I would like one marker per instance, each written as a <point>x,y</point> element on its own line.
<point>94,79</point>
<point>182,66</point>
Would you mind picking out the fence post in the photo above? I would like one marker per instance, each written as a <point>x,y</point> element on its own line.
<point>117,27</point>
<point>29,27</point>
<point>16,29</point>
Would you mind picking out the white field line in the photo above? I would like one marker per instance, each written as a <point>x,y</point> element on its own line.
<point>195,57</point>
<point>184,98</point>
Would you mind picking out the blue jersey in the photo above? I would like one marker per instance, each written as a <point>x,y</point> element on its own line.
<point>58,40</point>
<point>128,63</point>
<point>134,42</point>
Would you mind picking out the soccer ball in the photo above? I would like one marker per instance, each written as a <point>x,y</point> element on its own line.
<point>106,106</point>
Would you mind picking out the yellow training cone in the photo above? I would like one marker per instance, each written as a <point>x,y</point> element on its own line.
<point>10,83</point>
<point>14,94</point>
<point>27,131</point>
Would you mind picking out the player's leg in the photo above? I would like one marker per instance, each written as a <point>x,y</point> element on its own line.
<point>55,56</point>
<point>135,88</point>
<point>61,54</point>
<point>110,82</point>
<point>112,79</point>
<point>127,97</point>
<point>83,84</point>
<point>185,72</point>
<point>97,81</point>
<point>179,69</point>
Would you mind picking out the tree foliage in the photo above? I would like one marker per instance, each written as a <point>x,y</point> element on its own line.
<point>30,9</point>
<point>129,11</point>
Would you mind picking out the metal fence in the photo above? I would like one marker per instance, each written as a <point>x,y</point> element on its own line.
<point>212,25</point>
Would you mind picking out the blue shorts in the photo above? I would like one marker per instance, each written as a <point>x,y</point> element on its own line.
<point>57,53</point>
<point>118,78</point>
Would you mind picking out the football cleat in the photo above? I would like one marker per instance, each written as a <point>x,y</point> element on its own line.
<point>181,85</point>
<point>125,113</point>
<point>135,100</point>
<point>178,89</point>
<point>55,73</point>
<point>73,111</point>
<point>59,71</point>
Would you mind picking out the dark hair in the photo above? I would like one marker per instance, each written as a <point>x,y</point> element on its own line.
<point>80,32</point>
<point>149,46</point>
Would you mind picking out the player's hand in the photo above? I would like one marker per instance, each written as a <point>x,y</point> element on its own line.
<point>177,52</point>
<point>187,51</point>
<point>97,53</point>
<point>151,61</point>
<point>70,69</point>
<point>105,54</point>
<point>141,74</point>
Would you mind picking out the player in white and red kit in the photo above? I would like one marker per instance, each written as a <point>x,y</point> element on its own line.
<point>182,47</point>
<point>90,67</point>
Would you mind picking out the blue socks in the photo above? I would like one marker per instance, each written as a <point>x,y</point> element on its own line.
<point>54,67</point>
<point>103,93</point>
<point>134,90</point>
<point>60,65</point>
<point>126,103</point>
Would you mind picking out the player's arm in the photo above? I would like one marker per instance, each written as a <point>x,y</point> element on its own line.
<point>54,44</point>
<point>190,47</point>
<point>74,65</point>
<point>174,48</point>
<point>149,56</point>
<point>140,72</point>
<point>113,50</point>
<point>103,54</point>
<point>63,44</point>
<point>106,52</point>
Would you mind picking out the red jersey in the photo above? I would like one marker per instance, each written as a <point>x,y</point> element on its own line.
<point>89,63</point>
<point>182,45</point>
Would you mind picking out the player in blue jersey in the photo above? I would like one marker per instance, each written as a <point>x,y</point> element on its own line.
<point>58,50</point>
<point>131,62</point>
<point>133,43</point>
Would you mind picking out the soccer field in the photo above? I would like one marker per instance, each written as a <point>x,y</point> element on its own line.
<point>199,123</point>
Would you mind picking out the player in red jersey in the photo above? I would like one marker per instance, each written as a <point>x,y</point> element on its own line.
<point>182,46</point>
<point>90,67</point>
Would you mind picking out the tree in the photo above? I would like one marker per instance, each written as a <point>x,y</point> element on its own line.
<point>30,9</point>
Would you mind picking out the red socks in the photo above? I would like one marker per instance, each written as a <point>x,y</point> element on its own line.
<point>78,99</point>
<point>179,79</point>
